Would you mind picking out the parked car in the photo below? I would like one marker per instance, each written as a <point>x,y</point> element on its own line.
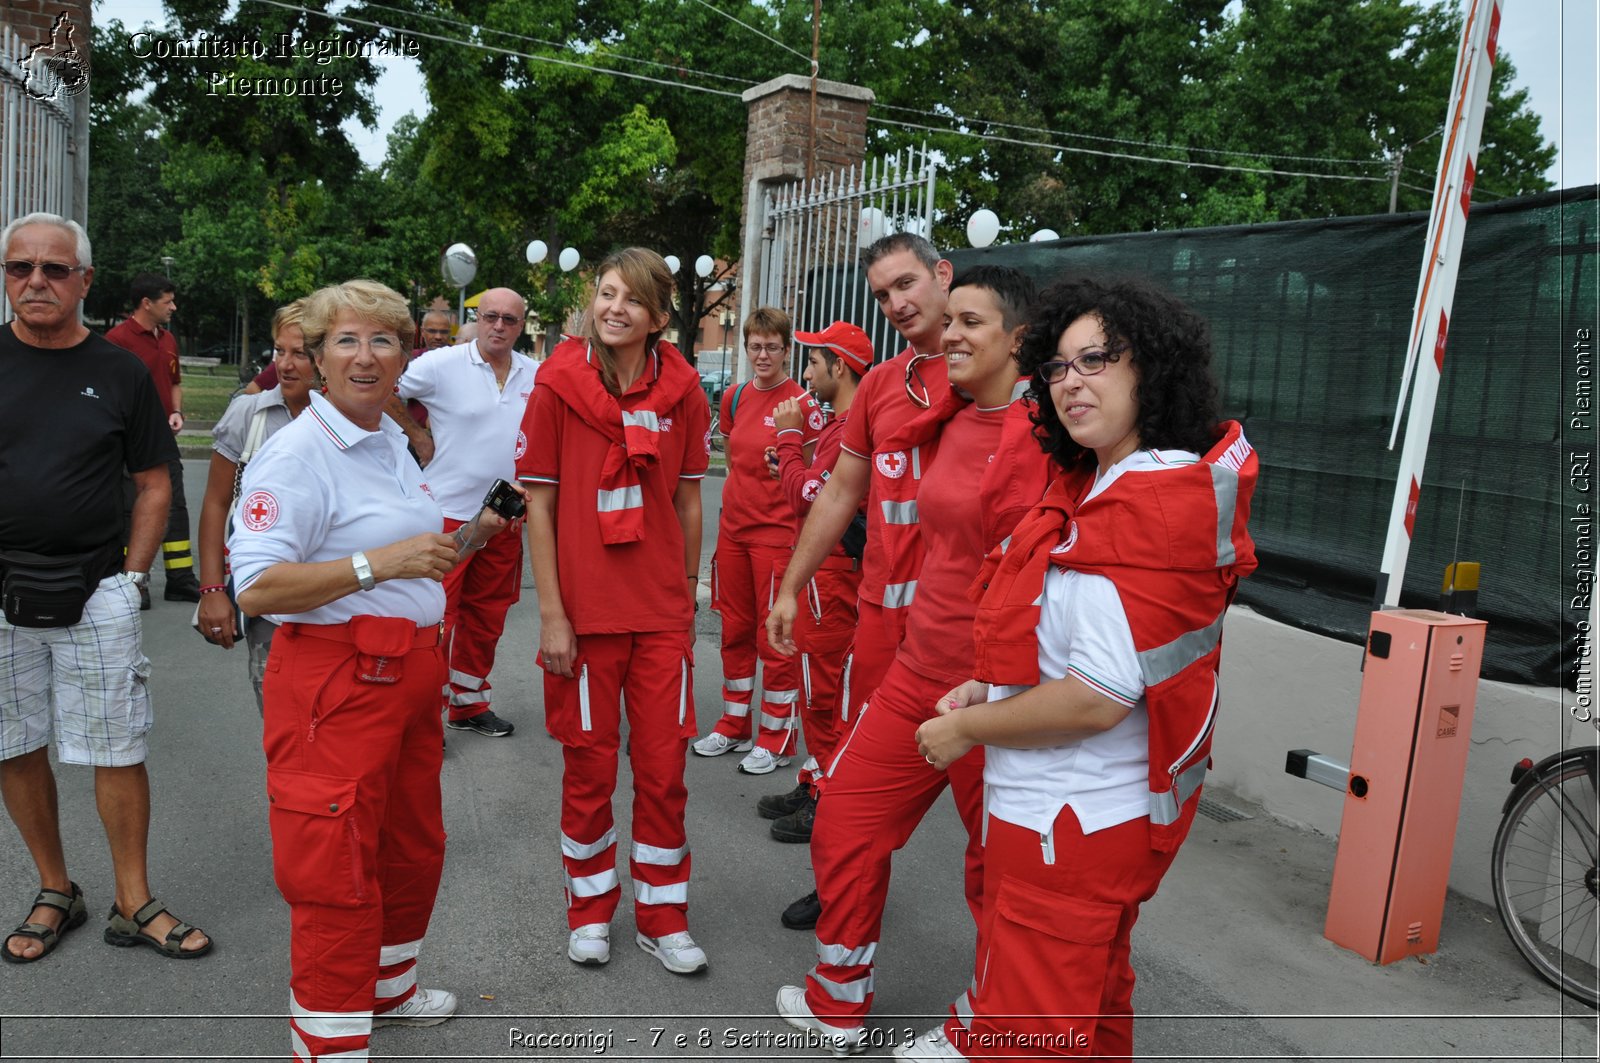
<point>714,382</point>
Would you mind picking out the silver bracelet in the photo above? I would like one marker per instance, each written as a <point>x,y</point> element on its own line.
<point>358,561</point>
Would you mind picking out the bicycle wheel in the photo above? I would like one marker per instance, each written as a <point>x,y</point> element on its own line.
<point>1544,876</point>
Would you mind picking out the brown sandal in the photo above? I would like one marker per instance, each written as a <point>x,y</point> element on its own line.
<point>126,933</point>
<point>74,913</point>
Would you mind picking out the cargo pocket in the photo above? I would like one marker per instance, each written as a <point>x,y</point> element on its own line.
<point>567,713</point>
<point>316,842</point>
<point>716,586</point>
<point>686,725</point>
<point>1045,969</point>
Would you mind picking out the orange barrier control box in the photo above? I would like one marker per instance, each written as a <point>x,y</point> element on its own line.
<point>1413,729</point>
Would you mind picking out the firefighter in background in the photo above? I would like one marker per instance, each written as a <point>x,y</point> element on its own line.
<point>337,541</point>
<point>754,534</point>
<point>618,440</point>
<point>836,360</point>
<point>1098,642</point>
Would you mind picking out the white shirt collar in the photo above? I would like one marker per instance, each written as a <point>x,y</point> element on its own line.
<point>339,429</point>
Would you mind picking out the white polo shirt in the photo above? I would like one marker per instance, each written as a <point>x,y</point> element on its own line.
<point>1083,632</point>
<point>477,427</point>
<point>323,488</point>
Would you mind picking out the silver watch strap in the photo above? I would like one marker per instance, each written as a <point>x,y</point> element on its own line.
<point>358,561</point>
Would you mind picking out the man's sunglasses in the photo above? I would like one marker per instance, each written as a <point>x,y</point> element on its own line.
<point>19,270</point>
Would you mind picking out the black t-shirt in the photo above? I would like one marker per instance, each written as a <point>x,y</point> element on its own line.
<point>71,420</point>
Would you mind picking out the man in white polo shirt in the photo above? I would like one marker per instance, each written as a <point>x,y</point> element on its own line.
<point>475,394</point>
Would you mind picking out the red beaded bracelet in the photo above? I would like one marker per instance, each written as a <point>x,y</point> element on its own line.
<point>213,589</point>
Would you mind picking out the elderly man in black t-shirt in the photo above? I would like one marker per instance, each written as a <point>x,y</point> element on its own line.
<point>75,413</point>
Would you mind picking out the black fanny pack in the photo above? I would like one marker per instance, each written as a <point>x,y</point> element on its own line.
<point>40,591</point>
<point>854,539</point>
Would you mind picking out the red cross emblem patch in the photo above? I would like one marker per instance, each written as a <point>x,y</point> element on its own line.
<point>892,464</point>
<point>522,444</point>
<point>260,511</point>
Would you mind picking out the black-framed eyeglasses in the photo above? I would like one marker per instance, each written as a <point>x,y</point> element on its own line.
<point>1086,364</point>
<point>19,270</point>
<point>764,348</point>
<point>917,392</point>
<point>492,318</point>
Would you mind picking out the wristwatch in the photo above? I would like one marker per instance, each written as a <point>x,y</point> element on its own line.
<point>358,561</point>
<point>138,579</point>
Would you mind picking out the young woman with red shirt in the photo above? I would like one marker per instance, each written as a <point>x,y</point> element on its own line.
<point>617,432</point>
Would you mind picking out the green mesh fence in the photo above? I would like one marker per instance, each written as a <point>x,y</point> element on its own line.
<point>1310,322</point>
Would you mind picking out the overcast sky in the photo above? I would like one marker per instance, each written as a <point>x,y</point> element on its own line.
<point>1555,45</point>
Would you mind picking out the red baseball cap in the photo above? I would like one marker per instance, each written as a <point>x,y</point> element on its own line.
<point>845,340</point>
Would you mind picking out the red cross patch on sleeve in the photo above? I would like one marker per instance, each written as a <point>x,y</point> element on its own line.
<point>260,511</point>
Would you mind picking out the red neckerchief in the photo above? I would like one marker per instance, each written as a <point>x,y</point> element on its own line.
<point>632,422</point>
<point>1145,532</point>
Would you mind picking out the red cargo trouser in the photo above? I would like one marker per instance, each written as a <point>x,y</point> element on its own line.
<point>824,631</point>
<point>742,586</point>
<point>878,632</point>
<point>1054,942</point>
<point>357,833</point>
<point>478,594</point>
<point>652,674</point>
<point>878,789</point>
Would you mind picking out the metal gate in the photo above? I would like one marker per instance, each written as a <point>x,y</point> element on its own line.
<point>814,233</point>
<point>36,138</point>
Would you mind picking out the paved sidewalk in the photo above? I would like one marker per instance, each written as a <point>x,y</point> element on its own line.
<point>1230,955</point>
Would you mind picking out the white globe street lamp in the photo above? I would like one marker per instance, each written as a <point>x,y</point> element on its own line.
<point>982,227</point>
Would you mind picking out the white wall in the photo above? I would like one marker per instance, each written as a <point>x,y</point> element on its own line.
<point>1285,689</point>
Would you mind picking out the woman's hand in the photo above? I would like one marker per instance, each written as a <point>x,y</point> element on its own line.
<point>972,692</point>
<point>942,741</point>
<point>218,621</point>
<point>558,646</point>
<point>428,556</point>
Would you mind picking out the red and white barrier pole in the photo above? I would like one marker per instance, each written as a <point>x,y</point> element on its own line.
<point>1430,325</point>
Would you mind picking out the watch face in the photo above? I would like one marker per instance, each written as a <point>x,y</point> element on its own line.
<point>138,579</point>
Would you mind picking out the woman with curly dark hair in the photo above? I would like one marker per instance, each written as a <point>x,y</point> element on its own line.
<point>1098,642</point>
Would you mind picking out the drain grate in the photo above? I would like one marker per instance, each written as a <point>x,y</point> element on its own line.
<point>1213,809</point>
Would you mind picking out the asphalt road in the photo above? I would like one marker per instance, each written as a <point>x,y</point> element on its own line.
<point>1230,955</point>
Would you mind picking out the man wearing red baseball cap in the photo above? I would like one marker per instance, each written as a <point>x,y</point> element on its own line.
<point>824,632</point>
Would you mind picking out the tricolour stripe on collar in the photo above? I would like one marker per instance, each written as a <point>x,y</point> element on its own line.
<point>333,433</point>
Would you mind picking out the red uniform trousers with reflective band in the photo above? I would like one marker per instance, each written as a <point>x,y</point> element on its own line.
<point>1053,948</point>
<point>478,593</point>
<point>878,632</point>
<point>743,582</point>
<point>357,832</point>
<point>879,788</point>
<point>824,631</point>
<point>652,673</point>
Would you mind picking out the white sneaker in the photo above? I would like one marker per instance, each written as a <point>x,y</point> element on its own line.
<point>427,1007</point>
<point>762,762</point>
<point>716,743</point>
<point>677,952</point>
<point>590,944</point>
<point>931,1046</point>
<point>842,1041</point>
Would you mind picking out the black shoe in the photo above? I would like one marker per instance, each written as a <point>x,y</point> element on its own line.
<point>144,599</point>
<point>802,914</point>
<point>181,590</point>
<point>776,806</point>
<point>796,826</point>
<point>485,723</point>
